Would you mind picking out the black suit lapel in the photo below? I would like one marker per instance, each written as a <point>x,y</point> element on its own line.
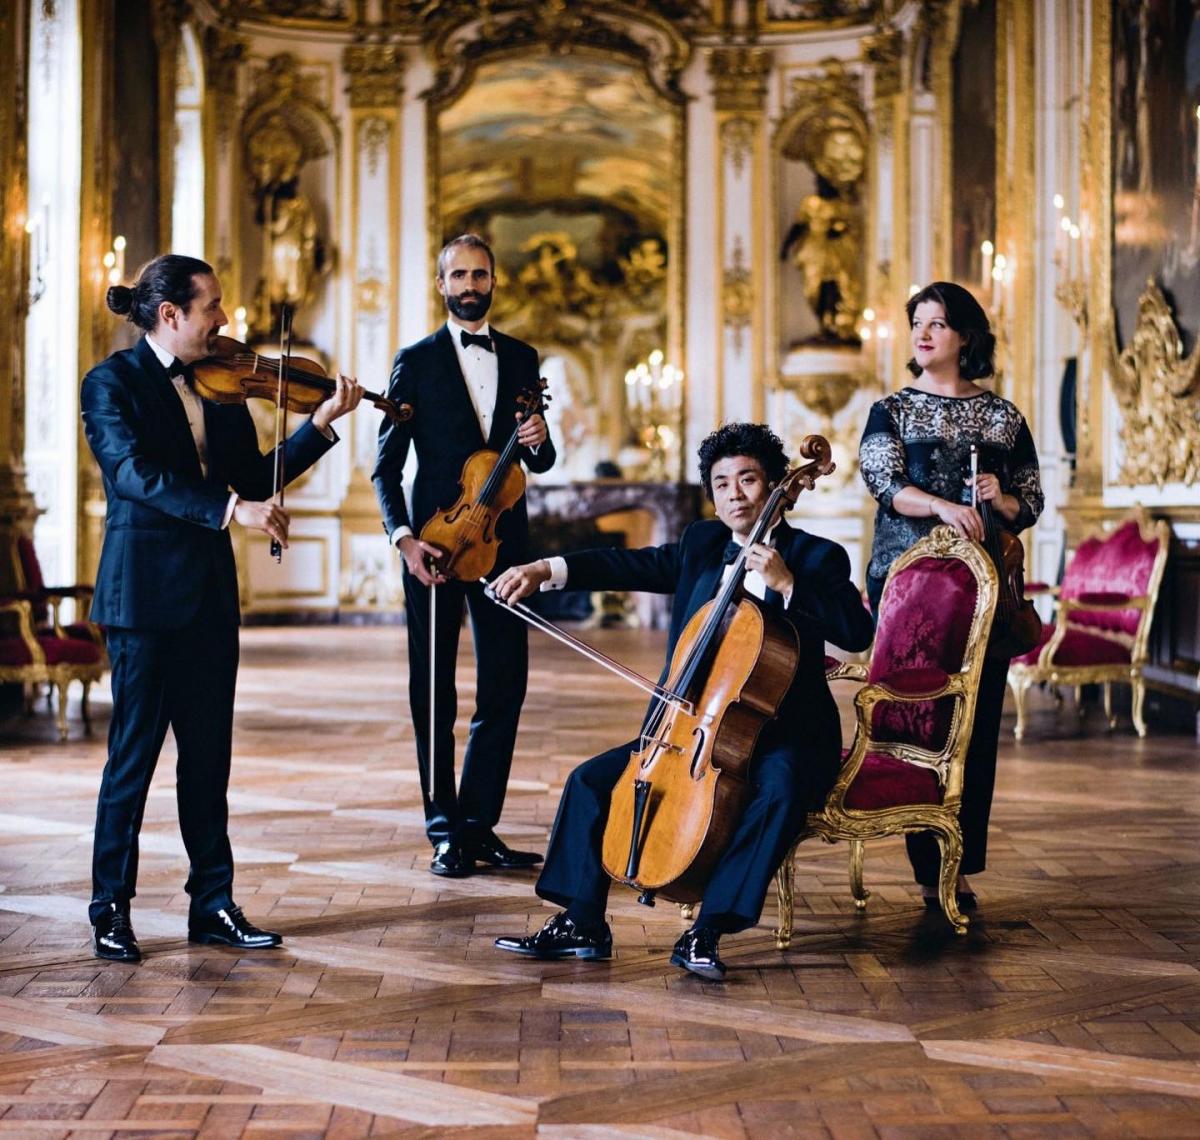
<point>453,384</point>
<point>159,387</point>
<point>503,423</point>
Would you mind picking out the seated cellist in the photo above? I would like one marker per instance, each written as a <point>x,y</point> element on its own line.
<point>796,757</point>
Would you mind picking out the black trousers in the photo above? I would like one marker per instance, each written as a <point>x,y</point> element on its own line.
<point>979,782</point>
<point>185,679</point>
<point>471,807</point>
<point>787,784</point>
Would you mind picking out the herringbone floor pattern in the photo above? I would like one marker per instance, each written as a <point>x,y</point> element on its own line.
<point>1072,1008</point>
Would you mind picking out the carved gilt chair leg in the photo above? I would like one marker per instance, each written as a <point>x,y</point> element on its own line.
<point>62,709</point>
<point>1139,702</point>
<point>1108,713</point>
<point>860,893</point>
<point>1020,689</point>
<point>785,886</point>
<point>687,911</point>
<point>950,842</point>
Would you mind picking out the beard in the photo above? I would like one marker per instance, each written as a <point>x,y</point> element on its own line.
<point>469,306</point>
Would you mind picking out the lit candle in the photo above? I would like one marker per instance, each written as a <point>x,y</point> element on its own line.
<point>987,249</point>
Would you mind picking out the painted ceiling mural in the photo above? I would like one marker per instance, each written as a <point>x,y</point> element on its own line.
<point>540,133</point>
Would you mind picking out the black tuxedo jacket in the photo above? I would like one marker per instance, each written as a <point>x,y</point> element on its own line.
<point>163,541</point>
<point>825,605</point>
<point>444,430</point>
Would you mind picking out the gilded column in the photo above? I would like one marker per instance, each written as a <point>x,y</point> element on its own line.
<point>96,23</point>
<point>1096,200</point>
<point>740,75</point>
<point>375,86</point>
<point>887,210</point>
<point>1022,207</point>
<point>17,509</point>
<point>223,55</point>
<point>166,18</point>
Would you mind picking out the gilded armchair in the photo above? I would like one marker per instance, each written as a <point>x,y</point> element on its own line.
<point>1101,631</point>
<point>32,656</point>
<point>904,769</point>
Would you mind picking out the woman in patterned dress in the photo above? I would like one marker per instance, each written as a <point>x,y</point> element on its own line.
<point>915,459</point>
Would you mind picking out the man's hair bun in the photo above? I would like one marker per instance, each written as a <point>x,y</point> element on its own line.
<point>120,299</point>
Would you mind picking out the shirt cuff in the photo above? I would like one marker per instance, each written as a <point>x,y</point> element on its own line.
<point>558,574</point>
<point>230,507</point>
<point>399,533</point>
<point>328,433</point>
<point>787,598</point>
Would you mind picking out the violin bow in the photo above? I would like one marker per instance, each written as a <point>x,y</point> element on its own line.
<point>281,398</point>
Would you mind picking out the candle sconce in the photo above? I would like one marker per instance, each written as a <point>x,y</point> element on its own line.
<point>654,408</point>
<point>1070,289</point>
<point>114,261</point>
<point>36,252</point>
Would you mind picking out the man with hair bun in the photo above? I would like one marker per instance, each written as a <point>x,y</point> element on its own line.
<point>806,580</point>
<point>176,469</point>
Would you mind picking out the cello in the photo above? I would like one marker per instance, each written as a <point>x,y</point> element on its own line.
<point>1016,627</point>
<point>679,800</point>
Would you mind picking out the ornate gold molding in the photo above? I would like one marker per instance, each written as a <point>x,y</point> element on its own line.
<point>17,509</point>
<point>884,52</point>
<point>1158,389</point>
<point>737,137</point>
<point>740,75</point>
<point>462,34</point>
<point>375,74</point>
<point>737,294</point>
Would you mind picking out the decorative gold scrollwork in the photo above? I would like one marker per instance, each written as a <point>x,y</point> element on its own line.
<point>1158,390</point>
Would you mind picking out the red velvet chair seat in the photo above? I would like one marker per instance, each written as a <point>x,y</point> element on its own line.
<point>1079,648</point>
<point>58,651</point>
<point>885,781</point>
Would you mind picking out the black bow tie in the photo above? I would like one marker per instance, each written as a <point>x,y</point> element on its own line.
<point>732,550</point>
<point>482,339</point>
<point>178,368</point>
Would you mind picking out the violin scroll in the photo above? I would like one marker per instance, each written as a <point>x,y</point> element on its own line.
<point>816,449</point>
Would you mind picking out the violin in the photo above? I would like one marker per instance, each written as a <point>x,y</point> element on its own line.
<point>491,483</point>
<point>235,373</point>
<point>1016,627</point>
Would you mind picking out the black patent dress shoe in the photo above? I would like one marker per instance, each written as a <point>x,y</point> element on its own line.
<point>113,937</point>
<point>561,938</point>
<point>493,851</point>
<point>450,861</point>
<point>230,927</point>
<point>696,951</point>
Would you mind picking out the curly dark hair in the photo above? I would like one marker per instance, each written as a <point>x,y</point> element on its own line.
<point>169,277</point>
<point>966,317</point>
<point>755,440</point>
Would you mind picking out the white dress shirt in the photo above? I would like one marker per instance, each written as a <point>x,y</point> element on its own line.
<point>193,408</point>
<point>481,372</point>
<point>753,582</point>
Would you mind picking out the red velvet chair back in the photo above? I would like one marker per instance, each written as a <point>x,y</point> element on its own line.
<point>925,618</point>
<point>31,571</point>
<point>1120,563</point>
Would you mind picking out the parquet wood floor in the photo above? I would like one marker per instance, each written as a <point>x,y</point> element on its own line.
<point>1071,1009</point>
